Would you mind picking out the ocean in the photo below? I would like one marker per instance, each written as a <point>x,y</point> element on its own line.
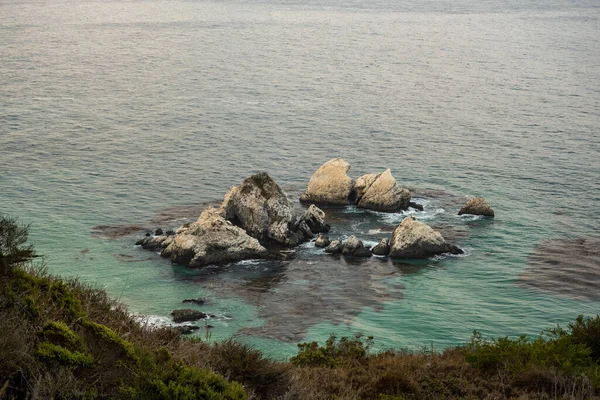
<point>139,113</point>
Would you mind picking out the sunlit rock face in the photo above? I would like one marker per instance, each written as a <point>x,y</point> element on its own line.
<point>414,239</point>
<point>212,240</point>
<point>329,184</point>
<point>381,192</point>
<point>477,206</point>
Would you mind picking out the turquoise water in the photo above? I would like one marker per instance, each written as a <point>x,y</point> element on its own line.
<point>111,112</point>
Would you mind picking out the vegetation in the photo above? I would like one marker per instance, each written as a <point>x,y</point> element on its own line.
<point>66,340</point>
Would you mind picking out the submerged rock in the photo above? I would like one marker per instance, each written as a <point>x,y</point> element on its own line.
<point>414,239</point>
<point>416,206</point>
<point>382,248</point>
<point>186,329</point>
<point>329,184</point>
<point>335,247</point>
<point>187,314</point>
<point>381,193</point>
<point>199,301</point>
<point>261,208</point>
<point>212,240</point>
<point>322,241</point>
<point>477,206</point>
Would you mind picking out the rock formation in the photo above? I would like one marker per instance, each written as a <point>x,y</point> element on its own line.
<point>380,192</point>
<point>322,241</point>
<point>414,239</point>
<point>477,206</point>
<point>263,210</point>
<point>335,247</point>
<point>187,315</point>
<point>255,214</point>
<point>329,184</point>
<point>212,240</point>
<point>355,247</point>
<point>382,248</point>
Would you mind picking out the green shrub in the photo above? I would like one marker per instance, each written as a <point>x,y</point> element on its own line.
<point>105,334</point>
<point>333,354</point>
<point>52,353</point>
<point>59,333</point>
<point>65,299</point>
<point>586,331</point>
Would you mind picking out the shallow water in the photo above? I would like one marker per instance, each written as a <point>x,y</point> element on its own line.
<point>113,112</point>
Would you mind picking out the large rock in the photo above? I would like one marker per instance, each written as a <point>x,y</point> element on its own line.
<point>414,239</point>
<point>187,315</point>
<point>212,240</point>
<point>329,184</point>
<point>355,247</point>
<point>335,247</point>
<point>264,211</point>
<point>477,206</point>
<point>322,241</point>
<point>361,185</point>
<point>382,248</point>
<point>381,193</point>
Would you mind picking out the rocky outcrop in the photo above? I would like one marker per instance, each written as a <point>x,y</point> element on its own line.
<point>314,217</point>
<point>361,185</point>
<point>477,206</point>
<point>355,248</point>
<point>322,241</point>
<point>187,315</point>
<point>335,247</point>
<point>380,192</point>
<point>329,184</point>
<point>382,248</point>
<point>261,208</point>
<point>414,239</point>
<point>212,240</point>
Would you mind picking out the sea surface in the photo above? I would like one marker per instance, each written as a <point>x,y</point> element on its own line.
<point>139,113</point>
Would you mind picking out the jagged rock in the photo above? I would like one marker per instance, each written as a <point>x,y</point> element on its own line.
<point>335,247</point>
<point>159,232</point>
<point>361,185</point>
<point>186,329</point>
<point>477,206</point>
<point>264,211</point>
<point>414,239</point>
<point>315,219</point>
<point>382,248</point>
<point>383,193</point>
<point>154,243</point>
<point>182,228</point>
<point>416,206</point>
<point>322,241</point>
<point>329,184</point>
<point>187,314</point>
<point>212,240</point>
<point>355,247</point>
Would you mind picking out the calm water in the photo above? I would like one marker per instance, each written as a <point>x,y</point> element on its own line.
<point>112,111</point>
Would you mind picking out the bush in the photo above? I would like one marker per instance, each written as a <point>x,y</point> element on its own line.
<point>333,354</point>
<point>586,331</point>
<point>13,250</point>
